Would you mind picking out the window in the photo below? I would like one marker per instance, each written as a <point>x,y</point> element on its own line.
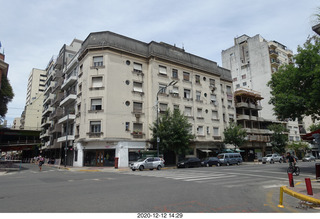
<point>231,117</point>
<point>127,126</point>
<point>198,95</point>
<point>199,113</point>
<point>96,104</point>
<point>215,131</point>
<point>162,70</point>
<point>97,61</point>
<point>208,130</point>
<point>214,114</point>
<point>137,107</point>
<point>137,87</point>
<point>229,103</point>
<point>238,85</point>
<point>187,111</point>
<point>244,76</point>
<point>163,107</point>
<point>186,94</point>
<point>200,130</point>
<point>175,91</point>
<point>95,126</point>
<point>229,89</point>
<point>162,88</point>
<point>244,83</point>
<point>235,79</point>
<point>175,107</point>
<point>198,79</point>
<point>137,127</point>
<point>97,81</point>
<point>137,67</point>
<point>174,73</point>
<point>213,99</point>
<point>212,82</point>
<point>186,76</point>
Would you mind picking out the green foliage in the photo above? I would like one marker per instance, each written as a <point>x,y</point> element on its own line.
<point>298,147</point>
<point>174,133</point>
<point>278,138</point>
<point>295,89</point>
<point>234,134</point>
<point>6,96</point>
<point>314,127</point>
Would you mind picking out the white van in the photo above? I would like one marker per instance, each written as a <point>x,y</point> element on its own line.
<point>230,158</point>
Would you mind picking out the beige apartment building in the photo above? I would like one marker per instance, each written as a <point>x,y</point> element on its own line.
<point>32,114</point>
<point>252,61</point>
<point>116,83</point>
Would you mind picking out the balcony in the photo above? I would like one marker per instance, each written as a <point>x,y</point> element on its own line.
<point>66,138</point>
<point>69,98</point>
<point>66,118</point>
<point>273,53</point>
<point>50,86</point>
<point>48,98</point>
<point>243,117</point>
<point>255,118</point>
<point>47,122</point>
<point>69,81</point>
<point>242,105</point>
<point>45,134</point>
<point>47,110</point>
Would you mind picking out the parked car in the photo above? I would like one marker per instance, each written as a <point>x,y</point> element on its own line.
<point>308,158</point>
<point>230,158</point>
<point>271,158</point>
<point>189,162</point>
<point>147,163</point>
<point>209,162</point>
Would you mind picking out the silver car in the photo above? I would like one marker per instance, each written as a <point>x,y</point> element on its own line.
<point>308,158</point>
<point>148,163</point>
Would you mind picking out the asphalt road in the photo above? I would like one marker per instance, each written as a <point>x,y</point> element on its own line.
<point>226,189</point>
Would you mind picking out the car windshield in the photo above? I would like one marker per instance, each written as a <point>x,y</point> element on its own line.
<point>220,156</point>
<point>140,160</point>
<point>269,155</point>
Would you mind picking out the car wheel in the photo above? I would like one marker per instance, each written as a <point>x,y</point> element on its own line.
<point>271,161</point>
<point>159,167</point>
<point>238,163</point>
<point>133,169</point>
<point>280,161</point>
<point>228,164</point>
<point>151,169</point>
<point>141,168</point>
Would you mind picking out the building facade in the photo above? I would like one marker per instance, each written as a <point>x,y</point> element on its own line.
<point>115,91</point>
<point>3,67</point>
<point>252,60</point>
<point>32,114</point>
<point>52,112</point>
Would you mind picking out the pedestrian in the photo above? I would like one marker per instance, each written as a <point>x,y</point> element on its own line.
<point>41,161</point>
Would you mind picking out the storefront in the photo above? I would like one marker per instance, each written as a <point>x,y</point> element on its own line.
<point>103,153</point>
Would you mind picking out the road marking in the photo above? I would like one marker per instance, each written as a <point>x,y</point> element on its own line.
<point>213,177</point>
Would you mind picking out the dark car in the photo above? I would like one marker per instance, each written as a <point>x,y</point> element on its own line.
<point>209,162</point>
<point>189,162</point>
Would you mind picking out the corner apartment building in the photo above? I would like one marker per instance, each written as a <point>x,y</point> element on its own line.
<point>116,80</point>
<point>32,114</point>
<point>248,105</point>
<point>252,60</point>
<point>53,95</point>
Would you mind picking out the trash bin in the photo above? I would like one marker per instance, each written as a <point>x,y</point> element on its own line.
<point>317,170</point>
<point>116,160</point>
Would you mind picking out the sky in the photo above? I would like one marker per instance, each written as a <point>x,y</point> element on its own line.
<point>33,31</point>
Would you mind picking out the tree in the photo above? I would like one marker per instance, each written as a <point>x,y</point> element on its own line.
<point>173,131</point>
<point>278,138</point>
<point>6,96</point>
<point>298,147</point>
<point>314,127</point>
<point>295,88</point>
<point>235,134</point>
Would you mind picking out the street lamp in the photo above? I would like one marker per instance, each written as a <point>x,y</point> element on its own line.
<point>162,89</point>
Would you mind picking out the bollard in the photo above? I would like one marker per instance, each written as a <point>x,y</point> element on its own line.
<point>308,185</point>
<point>291,183</point>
